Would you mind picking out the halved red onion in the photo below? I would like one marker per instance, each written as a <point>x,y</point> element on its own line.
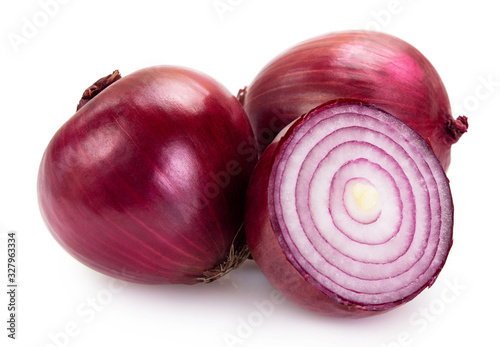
<point>349,212</point>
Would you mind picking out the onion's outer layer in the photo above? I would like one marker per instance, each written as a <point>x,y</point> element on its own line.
<point>146,181</point>
<point>375,68</point>
<point>302,236</point>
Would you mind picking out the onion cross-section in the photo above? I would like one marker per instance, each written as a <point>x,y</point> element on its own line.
<point>359,205</point>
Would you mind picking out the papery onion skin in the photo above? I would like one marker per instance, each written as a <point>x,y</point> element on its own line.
<point>273,259</point>
<point>146,181</point>
<point>376,68</point>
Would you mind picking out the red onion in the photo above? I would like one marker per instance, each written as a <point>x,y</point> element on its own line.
<point>349,212</point>
<point>373,67</point>
<point>146,182</point>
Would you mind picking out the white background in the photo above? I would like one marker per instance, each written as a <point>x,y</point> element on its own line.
<point>43,76</point>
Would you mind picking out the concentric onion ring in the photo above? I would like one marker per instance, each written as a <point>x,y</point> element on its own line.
<point>360,205</point>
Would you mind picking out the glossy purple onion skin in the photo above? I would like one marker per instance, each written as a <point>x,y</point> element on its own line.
<point>129,186</point>
<point>272,258</point>
<point>375,68</point>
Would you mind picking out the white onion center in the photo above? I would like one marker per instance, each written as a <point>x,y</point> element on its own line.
<point>362,200</point>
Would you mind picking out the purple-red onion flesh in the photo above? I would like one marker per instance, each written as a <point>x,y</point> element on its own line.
<point>349,211</point>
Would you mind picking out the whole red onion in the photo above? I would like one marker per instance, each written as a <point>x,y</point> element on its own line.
<point>146,181</point>
<point>349,212</point>
<point>373,67</point>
